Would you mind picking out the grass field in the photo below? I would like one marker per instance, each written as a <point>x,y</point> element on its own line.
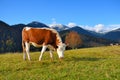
<point>99,63</point>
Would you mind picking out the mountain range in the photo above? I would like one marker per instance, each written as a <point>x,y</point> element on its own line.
<point>10,39</point>
<point>113,35</point>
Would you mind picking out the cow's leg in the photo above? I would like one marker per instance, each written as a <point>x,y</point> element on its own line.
<point>51,54</point>
<point>42,51</point>
<point>27,49</point>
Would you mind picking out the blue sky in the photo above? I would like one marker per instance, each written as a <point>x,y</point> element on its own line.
<point>89,14</point>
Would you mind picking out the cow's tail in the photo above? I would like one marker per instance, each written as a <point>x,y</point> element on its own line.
<point>23,42</point>
<point>23,45</point>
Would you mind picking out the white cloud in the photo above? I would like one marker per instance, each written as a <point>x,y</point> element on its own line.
<point>101,27</point>
<point>108,28</point>
<point>98,28</point>
<point>71,24</point>
<point>113,27</point>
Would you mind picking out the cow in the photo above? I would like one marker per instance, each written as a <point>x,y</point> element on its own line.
<point>45,37</point>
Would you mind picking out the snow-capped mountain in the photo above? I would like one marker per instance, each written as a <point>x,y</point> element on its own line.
<point>59,27</point>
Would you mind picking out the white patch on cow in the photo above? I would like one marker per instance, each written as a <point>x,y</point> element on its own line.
<point>27,28</point>
<point>35,44</point>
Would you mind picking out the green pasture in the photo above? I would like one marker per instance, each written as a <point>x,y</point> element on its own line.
<point>98,63</point>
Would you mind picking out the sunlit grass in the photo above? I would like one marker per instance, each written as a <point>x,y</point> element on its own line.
<point>100,63</point>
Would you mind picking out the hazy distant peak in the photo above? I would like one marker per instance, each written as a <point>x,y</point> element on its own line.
<point>36,24</point>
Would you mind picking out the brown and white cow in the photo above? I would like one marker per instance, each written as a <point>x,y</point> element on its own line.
<point>45,37</point>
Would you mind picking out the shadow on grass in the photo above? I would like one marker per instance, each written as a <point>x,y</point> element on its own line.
<point>87,59</point>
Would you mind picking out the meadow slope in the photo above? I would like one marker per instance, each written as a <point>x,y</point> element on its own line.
<point>99,63</point>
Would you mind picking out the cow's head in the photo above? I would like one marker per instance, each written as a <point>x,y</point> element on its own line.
<point>60,50</point>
